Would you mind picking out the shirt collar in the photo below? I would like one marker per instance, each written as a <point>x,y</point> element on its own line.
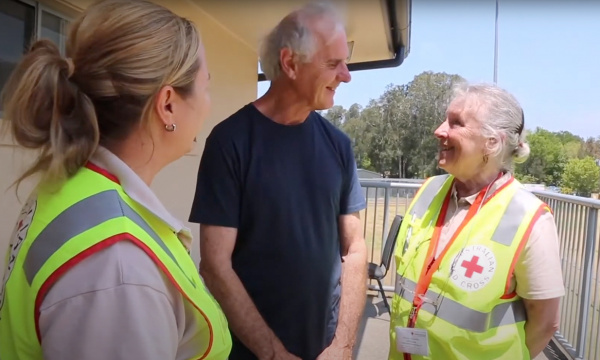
<point>495,186</point>
<point>139,192</point>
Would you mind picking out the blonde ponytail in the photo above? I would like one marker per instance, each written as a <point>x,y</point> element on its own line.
<point>47,112</point>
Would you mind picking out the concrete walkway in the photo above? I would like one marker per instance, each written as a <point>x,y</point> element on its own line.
<point>373,338</point>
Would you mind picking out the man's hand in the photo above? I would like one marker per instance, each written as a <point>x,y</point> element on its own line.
<point>281,353</point>
<point>285,356</point>
<point>216,247</point>
<point>336,351</point>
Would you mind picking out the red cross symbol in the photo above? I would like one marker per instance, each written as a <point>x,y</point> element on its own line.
<point>472,266</point>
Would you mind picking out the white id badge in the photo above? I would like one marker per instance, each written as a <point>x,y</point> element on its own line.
<point>412,341</point>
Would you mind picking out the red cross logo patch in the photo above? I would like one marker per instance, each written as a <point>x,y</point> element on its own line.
<point>474,267</point>
<point>471,266</point>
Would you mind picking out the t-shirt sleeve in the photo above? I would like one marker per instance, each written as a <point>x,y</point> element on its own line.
<point>217,198</point>
<point>538,272</point>
<point>353,198</point>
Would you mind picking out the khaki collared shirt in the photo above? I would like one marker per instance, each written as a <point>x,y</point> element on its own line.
<point>537,274</point>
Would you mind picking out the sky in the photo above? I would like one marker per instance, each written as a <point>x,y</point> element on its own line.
<point>549,57</point>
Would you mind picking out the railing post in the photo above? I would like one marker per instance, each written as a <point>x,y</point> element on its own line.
<point>586,282</point>
<point>386,211</point>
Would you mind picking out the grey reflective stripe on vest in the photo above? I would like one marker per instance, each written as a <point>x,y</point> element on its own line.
<point>427,195</point>
<point>78,218</point>
<point>513,217</point>
<point>462,316</point>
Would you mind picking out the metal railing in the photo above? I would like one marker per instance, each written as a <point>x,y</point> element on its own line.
<point>577,224</point>
<point>386,198</point>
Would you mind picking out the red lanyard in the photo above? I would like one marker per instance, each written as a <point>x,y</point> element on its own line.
<point>431,264</point>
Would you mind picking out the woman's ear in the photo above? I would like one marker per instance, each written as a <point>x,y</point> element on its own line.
<point>164,105</point>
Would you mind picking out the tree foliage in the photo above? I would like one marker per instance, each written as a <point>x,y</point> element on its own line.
<point>581,176</point>
<point>547,158</point>
<point>393,134</point>
<point>551,153</point>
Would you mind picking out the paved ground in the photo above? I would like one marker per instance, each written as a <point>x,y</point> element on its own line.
<point>373,334</point>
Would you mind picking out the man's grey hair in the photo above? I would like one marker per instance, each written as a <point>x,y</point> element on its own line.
<point>298,32</point>
<point>501,118</point>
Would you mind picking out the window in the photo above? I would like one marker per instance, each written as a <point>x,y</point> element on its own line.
<point>54,28</point>
<point>20,23</point>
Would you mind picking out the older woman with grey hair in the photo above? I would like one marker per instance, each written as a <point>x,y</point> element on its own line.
<point>478,268</point>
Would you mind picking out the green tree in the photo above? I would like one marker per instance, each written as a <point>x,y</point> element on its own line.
<point>572,149</point>
<point>591,147</point>
<point>392,109</point>
<point>571,143</point>
<point>394,134</point>
<point>428,96</point>
<point>525,178</point>
<point>353,112</point>
<point>547,158</point>
<point>582,176</point>
<point>567,137</point>
<point>357,130</point>
<point>372,141</point>
<point>335,115</point>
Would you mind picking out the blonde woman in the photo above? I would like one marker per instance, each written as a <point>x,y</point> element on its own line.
<point>97,267</point>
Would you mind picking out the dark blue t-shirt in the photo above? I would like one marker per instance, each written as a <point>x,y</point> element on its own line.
<point>283,188</point>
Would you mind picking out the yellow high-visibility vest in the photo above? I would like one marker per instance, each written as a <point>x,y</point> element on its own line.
<point>90,212</point>
<point>462,298</point>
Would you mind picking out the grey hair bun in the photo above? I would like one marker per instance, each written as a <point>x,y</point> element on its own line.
<point>521,153</point>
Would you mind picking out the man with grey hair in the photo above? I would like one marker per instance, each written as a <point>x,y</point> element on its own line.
<point>278,200</point>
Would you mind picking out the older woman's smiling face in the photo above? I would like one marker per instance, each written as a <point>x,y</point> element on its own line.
<point>461,143</point>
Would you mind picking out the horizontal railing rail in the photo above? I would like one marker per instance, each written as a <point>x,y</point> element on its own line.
<point>577,222</point>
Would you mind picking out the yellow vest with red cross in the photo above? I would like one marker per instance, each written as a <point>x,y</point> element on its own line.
<point>462,298</point>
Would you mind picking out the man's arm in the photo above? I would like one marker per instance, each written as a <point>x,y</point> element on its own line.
<point>354,288</point>
<point>543,319</point>
<point>216,247</point>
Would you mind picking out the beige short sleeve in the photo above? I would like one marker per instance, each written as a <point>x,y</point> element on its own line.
<point>117,304</point>
<point>538,273</point>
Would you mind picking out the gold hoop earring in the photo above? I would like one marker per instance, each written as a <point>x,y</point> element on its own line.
<point>485,158</point>
<point>170,127</point>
